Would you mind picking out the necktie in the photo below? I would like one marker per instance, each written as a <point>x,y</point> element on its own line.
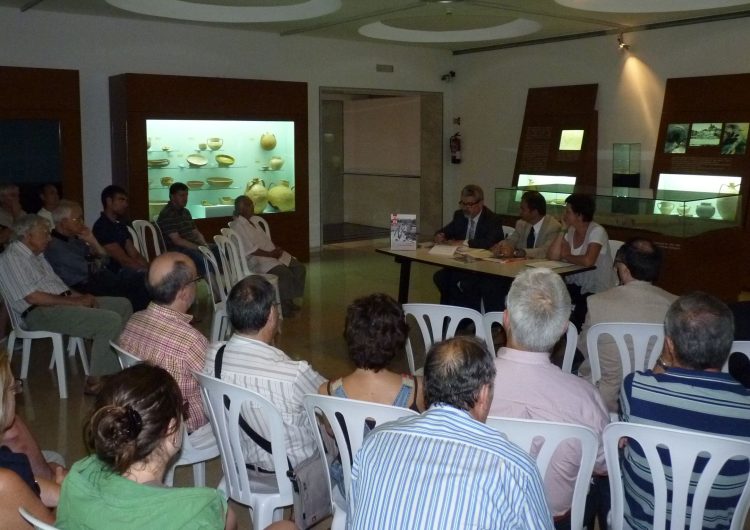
<point>472,227</point>
<point>531,239</point>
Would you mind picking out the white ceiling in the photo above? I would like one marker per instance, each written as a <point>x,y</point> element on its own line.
<point>460,26</point>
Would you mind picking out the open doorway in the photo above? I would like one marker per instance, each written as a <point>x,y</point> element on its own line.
<point>381,153</point>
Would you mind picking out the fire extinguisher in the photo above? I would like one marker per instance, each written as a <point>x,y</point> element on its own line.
<point>455,145</point>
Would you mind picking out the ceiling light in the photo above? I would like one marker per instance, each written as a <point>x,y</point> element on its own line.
<point>621,43</point>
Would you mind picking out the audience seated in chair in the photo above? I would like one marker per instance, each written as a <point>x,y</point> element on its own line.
<point>265,257</point>
<point>50,197</point>
<point>636,299</point>
<point>445,468</point>
<point>249,360</point>
<point>162,334</point>
<point>529,386</point>
<point>133,432</point>
<point>687,390</point>
<point>80,261</point>
<point>22,483</point>
<point>375,332</point>
<point>45,303</point>
<point>10,211</point>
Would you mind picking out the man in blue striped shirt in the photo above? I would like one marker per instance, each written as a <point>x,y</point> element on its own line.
<point>687,390</point>
<point>445,469</point>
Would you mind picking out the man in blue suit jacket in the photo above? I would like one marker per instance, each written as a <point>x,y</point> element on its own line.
<point>475,226</point>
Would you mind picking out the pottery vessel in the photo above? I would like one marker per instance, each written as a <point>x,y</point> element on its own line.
<point>214,143</point>
<point>665,207</point>
<point>727,206</point>
<point>276,162</point>
<point>281,196</point>
<point>166,181</point>
<point>705,210</point>
<point>257,192</point>
<point>683,209</point>
<point>268,141</point>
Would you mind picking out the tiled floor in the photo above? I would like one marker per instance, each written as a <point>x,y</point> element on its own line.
<point>336,275</point>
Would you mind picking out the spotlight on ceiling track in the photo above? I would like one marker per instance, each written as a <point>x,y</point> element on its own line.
<point>621,43</point>
<point>442,1</point>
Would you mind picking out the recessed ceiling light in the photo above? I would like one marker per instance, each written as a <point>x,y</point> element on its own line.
<point>647,6</point>
<point>516,28</point>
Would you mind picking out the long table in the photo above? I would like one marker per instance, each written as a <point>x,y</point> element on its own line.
<point>510,269</point>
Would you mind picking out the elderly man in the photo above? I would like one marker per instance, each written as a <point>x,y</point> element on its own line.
<point>535,231</point>
<point>529,386</point>
<point>178,227</point>
<point>265,257</point>
<point>636,299</point>
<point>111,230</point>
<point>43,300</point>
<point>248,359</point>
<point>10,211</point>
<point>687,390</point>
<point>162,334</point>
<point>475,226</point>
<point>50,198</point>
<point>445,468</point>
<point>76,256</point>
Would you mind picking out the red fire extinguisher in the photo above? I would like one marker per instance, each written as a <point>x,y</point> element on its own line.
<point>455,145</point>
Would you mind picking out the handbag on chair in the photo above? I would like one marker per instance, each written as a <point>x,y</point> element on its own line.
<point>312,497</point>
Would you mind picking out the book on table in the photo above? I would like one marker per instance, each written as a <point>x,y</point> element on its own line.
<point>403,231</point>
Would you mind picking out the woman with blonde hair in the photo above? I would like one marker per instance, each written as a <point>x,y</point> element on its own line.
<point>134,432</point>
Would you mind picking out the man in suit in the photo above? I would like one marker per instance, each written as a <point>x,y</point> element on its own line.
<point>636,299</point>
<point>473,225</point>
<point>535,231</point>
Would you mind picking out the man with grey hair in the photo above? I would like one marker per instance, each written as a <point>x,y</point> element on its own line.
<point>44,302</point>
<point>445,468</point>
<point>529,386</point>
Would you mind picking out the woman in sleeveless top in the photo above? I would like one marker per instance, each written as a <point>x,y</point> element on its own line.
<point>375,332</point>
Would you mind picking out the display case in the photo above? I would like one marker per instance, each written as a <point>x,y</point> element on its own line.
<point>219,160</point>
<point>222,138</point>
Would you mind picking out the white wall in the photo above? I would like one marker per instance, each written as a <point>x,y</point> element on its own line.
<point>101,47</point>
<point>490,88</point>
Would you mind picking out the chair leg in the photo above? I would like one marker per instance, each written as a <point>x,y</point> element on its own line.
<point>58,352</point>
<point>77,343</point>
<point>199,475</point>
<point>169,476</point>
<point>25,358</point>
<point>11,345</point>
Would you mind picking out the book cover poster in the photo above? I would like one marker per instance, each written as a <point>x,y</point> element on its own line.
<point>403,231</point>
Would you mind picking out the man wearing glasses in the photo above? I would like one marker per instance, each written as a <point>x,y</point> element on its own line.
<point>473,225</point>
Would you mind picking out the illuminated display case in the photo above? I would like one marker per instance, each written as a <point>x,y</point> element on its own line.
<point>219,160</point>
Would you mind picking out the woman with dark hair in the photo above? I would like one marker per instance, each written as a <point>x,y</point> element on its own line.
<point>134,432</point>
<point>375,332</point>
<point>582,241</point>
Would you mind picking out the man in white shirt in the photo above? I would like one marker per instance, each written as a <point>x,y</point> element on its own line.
<point>265,257</point>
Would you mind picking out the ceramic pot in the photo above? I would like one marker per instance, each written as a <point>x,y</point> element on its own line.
<point>214,143</point>
<point>268,141</point>
<point>257,192</point>
<point>665,207</point>
<point>727,206</point>
<point>166,181</point>
<point>276,162</point>
<point>705,210</point>
<point>281,196</point>
<point>683,210</point>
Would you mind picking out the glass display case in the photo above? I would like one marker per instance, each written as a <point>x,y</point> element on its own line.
<point>219,160</point>
<point>676,213</point>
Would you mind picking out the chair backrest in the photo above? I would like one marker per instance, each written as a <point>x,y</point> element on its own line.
<point>347,418</point>
<point>439,322</point>
<point>235,238</point>
<point>226,426</point>
<point>214,276</point>
<point>738,346</point>
<point>145,231</point>
<point>263,224</point>
<point>614,246</point>
<point>684,447</point>
<point>640,334</point>
<point>571,337</point>
<point>542,438</point>
<point>230,258</point>
<point>36,523</point>
<point>507,231</point>
<point>16,321</point>
<point>126,358</point>
<point>136,240</point>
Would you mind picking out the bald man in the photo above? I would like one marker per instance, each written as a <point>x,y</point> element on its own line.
<point>162,334</point>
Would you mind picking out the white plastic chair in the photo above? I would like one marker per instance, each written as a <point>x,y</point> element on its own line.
<point>683,447</point>
<point>439,322</point>
<point>33,521</point>
<point>530,434</point>
<point>614,246</point>
<point>265,496</point>
<point>220,326</point>
<point>58,355</point>
<point>739,346</point>
<point>146,230</point>
<point>353,414</point>
<point>571,337</point>
<point>136,240</point>
<point>641,335</point>
<point>262,223</point>
<point>507,231</point>
<point>197,447</point>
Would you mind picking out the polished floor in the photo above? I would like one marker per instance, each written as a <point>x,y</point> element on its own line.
<point>335,276</point>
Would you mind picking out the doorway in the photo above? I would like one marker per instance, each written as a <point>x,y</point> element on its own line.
<point>381,153</point>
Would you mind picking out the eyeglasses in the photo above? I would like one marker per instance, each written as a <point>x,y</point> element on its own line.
<point>196,279</point>
<point>468,204</point>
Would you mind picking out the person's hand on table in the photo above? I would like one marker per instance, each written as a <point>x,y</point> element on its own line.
<point>502,249</point>
<point>439,238</point>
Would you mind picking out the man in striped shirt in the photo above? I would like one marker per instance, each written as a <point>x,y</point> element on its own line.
<point>687,390</point>
<point>445,468</point>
